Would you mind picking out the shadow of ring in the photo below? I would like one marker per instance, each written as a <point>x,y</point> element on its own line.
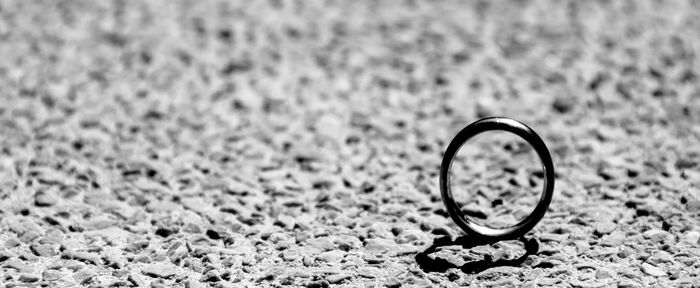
<point>428,264</point>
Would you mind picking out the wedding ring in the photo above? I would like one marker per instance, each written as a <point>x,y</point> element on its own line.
<point>482,231</point>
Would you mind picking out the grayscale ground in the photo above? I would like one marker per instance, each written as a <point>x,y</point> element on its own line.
<point>297,143</point>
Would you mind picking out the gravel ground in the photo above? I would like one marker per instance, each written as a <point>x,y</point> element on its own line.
<point>269,143</point>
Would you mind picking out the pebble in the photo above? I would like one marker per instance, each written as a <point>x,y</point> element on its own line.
<point>285,221</point>
<point>136,246</point>
<point>19,266</point>
<point>29,237</point>
<point>602,253</point>
<point>305,222</point>
<point>659,236</point>
<point>497,271</point>
<point>688,281</point>
<point>661,257</point>
<point>52,275</point>
<point>505,282</point>
<point>652,270</point>
<point>197,205</point>
<point>564,104</point>
<point>373,259</point>
<point>615,238</point>
<point>137,280</point>
<point>627,283</point>
<point>328,270</point>
<point>83,256</point>
<point>605,273</point>
<point>300,274</point>
<point>693,205</point>
<point>52,237</point>
<point>289,255</point>
<point>23,225</point>
<point>83,276</point>
<point>344,221</point>
<point>308,260</point>
<point>142,259</point>
<point>687,261</point>
<point>331,256</point>
<point>44,199</point>
<point>42,250</point>
<point>322,244</point>
<point>410,250</point>
<point>191,283</point>
<point>551,237</point>
<point>625,252</point>
<point>368,272</point>
<point>159,270</point>
<point>318,284</point>
<point>601,215</point>
<point>691,237</point>
<point>114,259</point>
<point>380,245</point>
<point>12,242</point>
<point>98,223</point>
<point>29,278</point>
<point>603,228</point>
<point>392,283</point>
<point>331,126</point>
<point>587,284</point>
<point>548,281</point>
<point>337,278</point>
<point>213,276</point>
<point>162,206</point>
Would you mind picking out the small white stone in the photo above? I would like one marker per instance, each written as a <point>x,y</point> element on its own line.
<point>605,273</point>
<point>606,227</point>
<point>652,270</point>
<point>658,235</point>
<point>159,270</point>
<point>692,237</point>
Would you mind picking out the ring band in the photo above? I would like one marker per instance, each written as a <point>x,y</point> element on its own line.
<point>484,232</point>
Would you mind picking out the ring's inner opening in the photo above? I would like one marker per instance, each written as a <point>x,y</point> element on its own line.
<point>496,179</point>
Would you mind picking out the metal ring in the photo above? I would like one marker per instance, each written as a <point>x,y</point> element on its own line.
<point>484,232</point>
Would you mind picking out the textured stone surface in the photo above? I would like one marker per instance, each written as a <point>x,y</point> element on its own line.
<point>298,143</point>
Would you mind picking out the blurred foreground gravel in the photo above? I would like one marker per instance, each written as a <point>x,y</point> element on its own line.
<point>269,143</point>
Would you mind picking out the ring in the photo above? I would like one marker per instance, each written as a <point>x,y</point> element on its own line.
<point>484,232</point>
